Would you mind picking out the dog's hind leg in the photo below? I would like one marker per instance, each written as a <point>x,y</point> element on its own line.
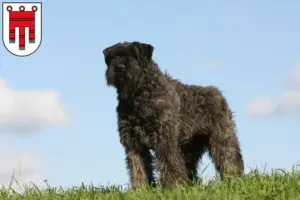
<point>224,149</point>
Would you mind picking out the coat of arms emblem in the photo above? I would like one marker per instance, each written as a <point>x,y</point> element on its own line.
<point>21,27</point>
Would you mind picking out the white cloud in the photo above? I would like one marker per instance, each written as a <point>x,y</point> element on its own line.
<point>211,63</point>
<point>287,103</point>
<point>293,80</point>
<point>29,111</point>
<point>23,165</point>
<point>260,107</point>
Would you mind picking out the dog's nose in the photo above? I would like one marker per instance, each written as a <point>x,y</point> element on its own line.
<point>120,67</point>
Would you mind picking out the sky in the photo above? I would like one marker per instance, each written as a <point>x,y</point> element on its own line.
<point>57,115</point>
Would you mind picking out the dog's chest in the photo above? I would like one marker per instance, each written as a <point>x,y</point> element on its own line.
<point>144,129</point>
<point>144,122</point>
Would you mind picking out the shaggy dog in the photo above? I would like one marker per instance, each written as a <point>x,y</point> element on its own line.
<point>178,122</point>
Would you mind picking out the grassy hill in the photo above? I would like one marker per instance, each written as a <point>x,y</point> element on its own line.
<point>257,186</point>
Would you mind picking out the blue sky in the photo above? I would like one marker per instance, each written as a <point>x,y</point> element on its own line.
<point>249,49</point>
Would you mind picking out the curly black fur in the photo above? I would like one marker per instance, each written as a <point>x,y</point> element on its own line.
<point>178,122</point>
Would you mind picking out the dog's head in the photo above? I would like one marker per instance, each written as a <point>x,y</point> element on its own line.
<point>126,62</point>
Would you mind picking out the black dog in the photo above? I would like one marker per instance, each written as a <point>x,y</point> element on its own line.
<point>178,122</point>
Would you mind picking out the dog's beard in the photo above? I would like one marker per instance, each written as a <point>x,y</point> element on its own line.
<point>112,77</point>
<point>115,79</point>
<point>126,84</point>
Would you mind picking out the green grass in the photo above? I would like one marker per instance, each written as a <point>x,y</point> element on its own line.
<point>255,185</point>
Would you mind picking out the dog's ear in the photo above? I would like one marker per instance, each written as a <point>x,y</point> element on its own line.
<point>145,50</point>
<point>106,52</point>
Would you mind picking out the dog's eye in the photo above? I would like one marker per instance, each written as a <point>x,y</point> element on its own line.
<point>109,59</point>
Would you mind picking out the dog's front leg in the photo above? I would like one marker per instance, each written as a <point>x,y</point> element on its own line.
<point>170,160</point>
<point>139,160</point>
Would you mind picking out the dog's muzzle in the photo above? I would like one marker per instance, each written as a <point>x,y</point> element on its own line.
<point>120,68</point>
